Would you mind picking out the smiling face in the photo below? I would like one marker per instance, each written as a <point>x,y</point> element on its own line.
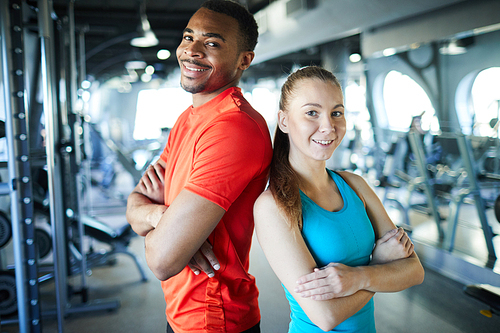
<point>209,55</point>
<point>314,121</point>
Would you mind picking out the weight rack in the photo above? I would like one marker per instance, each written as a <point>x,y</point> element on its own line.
<point>19,187</point>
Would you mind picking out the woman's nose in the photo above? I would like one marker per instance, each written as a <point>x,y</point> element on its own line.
<point>326,125</point>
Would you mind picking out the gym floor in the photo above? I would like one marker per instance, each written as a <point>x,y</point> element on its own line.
<point>437,305</point>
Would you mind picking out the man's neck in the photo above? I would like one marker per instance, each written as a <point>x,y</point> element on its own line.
<point>203,97</point>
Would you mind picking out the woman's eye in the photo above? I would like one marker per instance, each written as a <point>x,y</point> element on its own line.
<point>336,113</point>
<point>311,113</point>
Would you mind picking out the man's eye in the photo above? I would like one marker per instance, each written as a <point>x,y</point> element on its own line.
<point>212,44</point>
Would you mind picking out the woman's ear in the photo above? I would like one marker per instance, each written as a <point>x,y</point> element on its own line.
<point>283,121</point>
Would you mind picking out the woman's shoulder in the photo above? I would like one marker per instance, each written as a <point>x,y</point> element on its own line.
<point>265,201</point>
<point>266,210</point>
<point>357,183</point>
<point>352,178</point>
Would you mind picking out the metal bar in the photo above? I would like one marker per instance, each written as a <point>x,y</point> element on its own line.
<point>418,150</point>
<point>45,25</point>
<point>81,64</point>
<point>73,87</point>
<point>5,188</point>
<point>17,232</point>
<point>454,206</point>
<point>466,154</point>
<point>86,128</point>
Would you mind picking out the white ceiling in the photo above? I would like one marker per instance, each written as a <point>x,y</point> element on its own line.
<point>330,20</point>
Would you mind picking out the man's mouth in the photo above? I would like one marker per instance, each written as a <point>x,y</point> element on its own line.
<point>194,67</point>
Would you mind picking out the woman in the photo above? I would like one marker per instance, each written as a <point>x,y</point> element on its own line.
<point>318,228</point>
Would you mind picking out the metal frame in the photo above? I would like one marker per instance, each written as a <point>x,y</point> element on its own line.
<point>473,189</point>
<point>61,165</point>
<point>23,231</point>
<point>418,150</point>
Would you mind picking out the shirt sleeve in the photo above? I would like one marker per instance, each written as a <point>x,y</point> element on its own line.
<point>229,154</point>
<point>166,150</point>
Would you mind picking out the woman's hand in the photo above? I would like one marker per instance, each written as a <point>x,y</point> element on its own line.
<point>395,244</point>
<point>338,280</point>
<point>332,281</point>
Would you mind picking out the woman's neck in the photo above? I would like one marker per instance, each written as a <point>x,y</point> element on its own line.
<point>312,175</point>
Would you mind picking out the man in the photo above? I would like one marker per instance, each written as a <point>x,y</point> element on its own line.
<point>194,206</point>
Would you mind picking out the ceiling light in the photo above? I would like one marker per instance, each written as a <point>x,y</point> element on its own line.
<point>355,57</point>
<point>124,88</point>
<point>149,70</point>
<point>147,37</point>
<point>131,77</point>
<point>389,52</point>
<point>145,77</point>
<point>86,84</point>
<point>163,54</point>
<point>148,40</point>
<point>454,47</point>
<point>136,64</point>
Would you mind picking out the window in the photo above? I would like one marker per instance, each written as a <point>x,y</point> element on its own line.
<point>157,109</point>
<point>356,110</point>
<point>403,99</point>
<point>485,98</point>
<point>265,101</point>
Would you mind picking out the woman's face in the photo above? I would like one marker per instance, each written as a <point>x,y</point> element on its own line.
<point>314,121</point>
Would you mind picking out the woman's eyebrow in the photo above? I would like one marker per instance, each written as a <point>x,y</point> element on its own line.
<point>317,105</point>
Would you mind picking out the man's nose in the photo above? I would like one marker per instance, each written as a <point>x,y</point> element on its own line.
<point>194,49</point>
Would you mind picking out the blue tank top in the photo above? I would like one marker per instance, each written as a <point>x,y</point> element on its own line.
<point>346,237</point>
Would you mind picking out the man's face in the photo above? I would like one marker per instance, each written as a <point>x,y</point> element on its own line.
<point>208,55</point>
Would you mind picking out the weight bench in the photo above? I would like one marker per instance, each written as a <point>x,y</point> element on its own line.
<point>118,239</point>
<point>487,294</point>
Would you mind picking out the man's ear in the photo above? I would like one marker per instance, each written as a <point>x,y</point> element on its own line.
<point>246,59</point>
<point>283,121</point>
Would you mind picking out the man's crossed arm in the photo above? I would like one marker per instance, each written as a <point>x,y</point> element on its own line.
<point>176,236</point>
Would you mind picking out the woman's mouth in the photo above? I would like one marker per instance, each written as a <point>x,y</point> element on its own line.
<point>323,142</point>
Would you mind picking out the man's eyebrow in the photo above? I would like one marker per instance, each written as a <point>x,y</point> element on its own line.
<point>208,34</point>
<point>215,35</point>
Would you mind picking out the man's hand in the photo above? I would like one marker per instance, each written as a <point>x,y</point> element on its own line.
<point>332,281</point>
<point>204,260</point>
<point>395,244</point>
<point>146,205</point>
<point>151,184</point>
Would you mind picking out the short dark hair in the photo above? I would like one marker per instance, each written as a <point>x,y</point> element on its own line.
<point>246,22</point>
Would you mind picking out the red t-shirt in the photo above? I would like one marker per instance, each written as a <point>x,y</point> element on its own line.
<point>220,151</point>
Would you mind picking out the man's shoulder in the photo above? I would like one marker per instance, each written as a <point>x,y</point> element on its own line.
<point>236,102</point>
